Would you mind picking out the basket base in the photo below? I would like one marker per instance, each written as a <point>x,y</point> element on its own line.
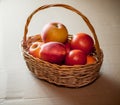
<point>66,85</point>
<point>67,76</point>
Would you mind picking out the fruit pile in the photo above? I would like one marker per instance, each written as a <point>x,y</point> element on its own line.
<point>57,48</point>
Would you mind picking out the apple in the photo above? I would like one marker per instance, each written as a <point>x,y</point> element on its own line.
<point>53,52</point>
<point>68,46</point>
<point>34,49</point>
<point>91,59</point>
<point>76,57</point>
<point>54,31</point>
<point>83,42</point>
<point>31,39</point>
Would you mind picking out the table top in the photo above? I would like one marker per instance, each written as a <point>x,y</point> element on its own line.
<point>17,84</point>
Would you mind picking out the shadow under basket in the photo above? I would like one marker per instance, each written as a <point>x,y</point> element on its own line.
<point>63,75</point>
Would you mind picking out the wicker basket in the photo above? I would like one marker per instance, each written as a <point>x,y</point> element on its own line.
<point>68,76</point>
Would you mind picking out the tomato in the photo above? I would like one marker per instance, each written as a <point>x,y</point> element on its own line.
<point>76,57</point>
<point>83,42</point>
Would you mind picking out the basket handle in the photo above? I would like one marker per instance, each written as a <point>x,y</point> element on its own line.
<point>67,7</point>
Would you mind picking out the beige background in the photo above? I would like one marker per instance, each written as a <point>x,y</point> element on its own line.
<point>19,87</point>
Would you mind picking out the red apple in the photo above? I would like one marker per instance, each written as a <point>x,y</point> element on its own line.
<point>34,49</point>
<point>76,57</point>
<point>53,52</point>
<point>83,42</point>
<point>68,46</point>
<point>54,32</point>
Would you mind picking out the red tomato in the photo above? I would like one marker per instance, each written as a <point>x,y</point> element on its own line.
<point>83,42</point>
<point>76,57</point>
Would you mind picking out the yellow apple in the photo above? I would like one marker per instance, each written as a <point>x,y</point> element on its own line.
<point>54,31</point>
<point>34,49</point>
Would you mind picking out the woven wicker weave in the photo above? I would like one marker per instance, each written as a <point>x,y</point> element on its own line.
<point>69,76</point>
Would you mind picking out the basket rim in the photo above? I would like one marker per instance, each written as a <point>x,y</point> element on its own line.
<point>99,59</point>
